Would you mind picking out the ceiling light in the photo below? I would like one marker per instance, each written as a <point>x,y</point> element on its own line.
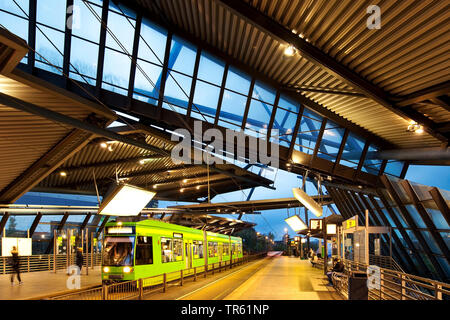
<point>103,145</point>
<point>125,200</point>
<point>110,149</point>
<point>307,201</point>
<point>414,127</point>
<point>296,223</point>
<point>289,51</point>
<point>197,187</point>
<point>185,180</point>
<point>181,190</point>
<point>155,186</point>
<point>63,174</point>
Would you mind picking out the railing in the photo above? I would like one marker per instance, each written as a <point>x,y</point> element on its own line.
<point>136,289</point>
<point>394,285</point>
<point>47,262</point>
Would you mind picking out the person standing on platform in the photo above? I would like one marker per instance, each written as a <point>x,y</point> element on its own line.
<point>79,260</point>
<point>15,264</point>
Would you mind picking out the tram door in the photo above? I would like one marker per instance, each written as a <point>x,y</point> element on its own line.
<point>188,251</point>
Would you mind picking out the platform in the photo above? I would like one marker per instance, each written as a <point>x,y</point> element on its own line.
<point>39,284</point>
<point>272,278</point>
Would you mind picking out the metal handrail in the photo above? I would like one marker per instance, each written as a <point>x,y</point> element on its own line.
<point>136,289</point>
<point>46,262</point>
<point>395,285</point>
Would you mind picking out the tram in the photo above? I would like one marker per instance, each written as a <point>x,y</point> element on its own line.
<point>134,250</point>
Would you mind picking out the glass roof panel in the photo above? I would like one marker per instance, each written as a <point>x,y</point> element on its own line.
<point>237,81</point>
<point>210,69</point>
<point>152,42</point>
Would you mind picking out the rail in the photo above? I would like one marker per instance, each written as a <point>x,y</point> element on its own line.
<point>394,285</point>
<point>136,289</point>
<point>47,262</point>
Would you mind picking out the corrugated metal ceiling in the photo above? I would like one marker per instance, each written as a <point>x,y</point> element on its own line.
<point>407,54</point>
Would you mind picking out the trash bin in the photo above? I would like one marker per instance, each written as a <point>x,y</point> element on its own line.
<point>357,286</point>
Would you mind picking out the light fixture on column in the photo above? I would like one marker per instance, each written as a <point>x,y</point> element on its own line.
<point>307,201</point>
<point>296,223</point>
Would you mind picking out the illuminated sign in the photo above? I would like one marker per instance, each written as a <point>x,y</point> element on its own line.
<point>315,224</point>
<point>350,223</point>
<point>331,229</point>
<point>118,230</point>
<point>178,235</point>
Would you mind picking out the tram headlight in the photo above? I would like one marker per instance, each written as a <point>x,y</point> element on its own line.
<point>127,269</point>
<point>106,269</point>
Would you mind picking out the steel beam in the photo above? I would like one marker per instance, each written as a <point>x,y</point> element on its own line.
<point>102,226</point>
<point>247,105</point>
<point>34,224</point>
<point>193,83</point>
<point>425,94</point>
<point>295,132</point>
<point>409,264</point>
<point>440,203</point>
<point>390,188</point>
<point>3,222</point>
<point>58,228</point>
<point>426,219</point>
<point>101,47</point>
<point>222,90</point>
<point>134,61</point>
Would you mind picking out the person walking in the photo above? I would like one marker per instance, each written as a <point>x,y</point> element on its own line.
<point>15,264</point>
<point>79,260</point>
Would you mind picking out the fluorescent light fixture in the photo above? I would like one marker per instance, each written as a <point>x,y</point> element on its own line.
<point>125,200</point>
<point>307,201</point>
<point>331,229</point>
<point>296,223</point>
<point>125,115</point>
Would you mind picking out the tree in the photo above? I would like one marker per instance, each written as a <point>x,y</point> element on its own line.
<point>11,230</point>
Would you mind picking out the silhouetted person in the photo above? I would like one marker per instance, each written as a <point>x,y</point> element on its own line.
<point>79,260</point>
<point>15,264</point>
<point>338,267</point>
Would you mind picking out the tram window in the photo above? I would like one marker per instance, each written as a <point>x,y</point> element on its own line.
<point>118,251</point>
<point>144,250</point>
<point>178,249</point>
<point>226,249</point>
<point>198,249</point>
<point>166,250</point>
<point>239,248</point>
<point>212,249</point>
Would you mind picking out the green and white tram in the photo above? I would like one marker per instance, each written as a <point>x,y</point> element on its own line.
<point>134,250</point>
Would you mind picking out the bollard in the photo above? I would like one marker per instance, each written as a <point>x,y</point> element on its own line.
<point>104,292</point>
<point>141,289</point>
<point>437,291</point>
<point>195,273</point>
<point>181,277</point>
<point>164,282</point>
<point>220,266</point>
